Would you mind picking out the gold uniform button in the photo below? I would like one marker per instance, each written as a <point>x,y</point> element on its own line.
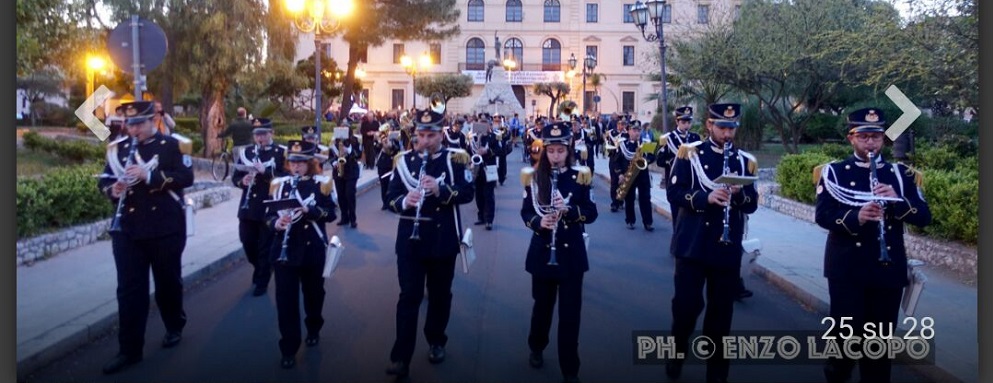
<point>858,244</point>
<point>706,166</point>
<point>437,209</point>
<point>306,226</point>
<point>852,183</point>
<point>848,167</point>
<point>131,210</point>
<point>706,223</point>
<point>162,142</point>
<point>887,247</point>
<point>890,227</point>
<point>253,195</point>
<point>153,208</point>
<point>130,192</point>
<point>566,245</point>
<point>308,243</point>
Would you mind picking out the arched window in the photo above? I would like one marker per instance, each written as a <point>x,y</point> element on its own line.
<point>551,55</point>
<point>514,49</point>
<point>514,13</point>
<point>475,54</point>
<point>475,10</point>
<point>552,11</point>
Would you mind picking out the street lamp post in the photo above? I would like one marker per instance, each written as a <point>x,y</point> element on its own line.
<point>641,13</point>
<point>589,63</point>
<point>93,65</point>
<point>322,17</point>
<point>408,65</point>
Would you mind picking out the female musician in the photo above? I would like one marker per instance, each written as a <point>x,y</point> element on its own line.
<point>387,145</point>
<point>298,251</point>
<point>558,208</point>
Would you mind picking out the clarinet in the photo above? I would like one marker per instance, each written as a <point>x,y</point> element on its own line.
<point>283,256</point>
<point>555,181</point>
<point>415,233</point>
<point>884,256</point>
<point>725,237</point>
<point>248,189</point>
<point>116,225</point>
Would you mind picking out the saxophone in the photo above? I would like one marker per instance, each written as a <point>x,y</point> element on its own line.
<point>637,164</point>
<point>341,159</point>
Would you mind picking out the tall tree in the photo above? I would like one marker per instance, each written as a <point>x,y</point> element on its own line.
<point>374,21</point>
<point>555,90</point>
<point>449,85</point>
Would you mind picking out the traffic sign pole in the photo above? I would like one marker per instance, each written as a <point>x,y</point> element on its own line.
<point>136,57</point>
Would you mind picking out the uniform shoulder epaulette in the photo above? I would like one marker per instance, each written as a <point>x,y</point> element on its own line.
<point>910,171</point>
<point>684,149</point>
<point>185,144</point>
<point>664,140</point>
<point>753,163</point>
<point>526,173</point>
<point>326,184</point>
<point>585,176</point>
<point>274,185</point>
<point>818,170</point>
<point>459,156</point>
<point>283,147</point>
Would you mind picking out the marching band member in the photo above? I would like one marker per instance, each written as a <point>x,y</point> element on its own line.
<point>862,283</point>
<point>611,140</point>
<point>298,254</point>
<point>708,235</point>
<point>266,160</point>
<point>344,157</point>
<point>504,146</point>
<point>532,143</point>
<point>582,144</point>
<point>669,144</point>
<point>427,185</point>
<point>557,209</point>
<point>454,138</point>
<point>322,152</point>
<point>621,163</point>
<point>145,175</point>
<point>484,148</point>
<point>388,146</point>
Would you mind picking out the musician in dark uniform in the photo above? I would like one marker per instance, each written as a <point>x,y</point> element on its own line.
<point>454,138</point>
<point>669,144</point>
<point>432,192</point>
<point>582,144</point>
<point>621,163</point>
<point>532,150</point>
<point>701,254</point>
<point>299,252</point>
<point>150,231</point>
<point>564,210</point>
<point>265,161</point>
<point>504,147</point>
<point>309,134</point>
<point>861,286</point>
<point>612,139</point>
<point>344,157</point>
<point>387,146</point>
<point>484,148</point>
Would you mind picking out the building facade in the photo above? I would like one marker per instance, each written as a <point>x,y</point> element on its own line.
<point>540,36</point>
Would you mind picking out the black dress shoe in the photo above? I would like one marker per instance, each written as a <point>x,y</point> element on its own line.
<point>171,339</point>
<point>259,290</point>
<point>536,360</point>
<point>384,207</point>
<point>489,226</point>
<point>400,369</point>
<point>287,362</point>
<point>649,228</point>
<point>436,355</point>
<point>354,224</point>
<point>613,209</point>
<point>312,341</point>
<point>342,223</point>
<point>674,369</point>
<point>119,363</point>
<point>570,379</point>
<point>630,226</point>
<point>479,222</point>
<point>745,294</point>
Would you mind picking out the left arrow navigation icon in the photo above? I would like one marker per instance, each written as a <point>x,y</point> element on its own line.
<point>85,112</point>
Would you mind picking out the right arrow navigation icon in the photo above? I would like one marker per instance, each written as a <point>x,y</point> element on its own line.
<point>910,112</point>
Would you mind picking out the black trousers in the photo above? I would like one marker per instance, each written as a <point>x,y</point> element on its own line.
<point>502,168</point>
<point>485,199</point>
<point>595,150</point>
<point>864,305</point>
<point>414,272</point>
<point>570,295</point>
<point>133,258</point>
<point>369,154</point>
<point>641,186</point>
<point>722,288</point>
<point>346,198</point>
<point>384,186</point>
<point>290,281</point>
<point>256,239</point>
<point>614,184</point>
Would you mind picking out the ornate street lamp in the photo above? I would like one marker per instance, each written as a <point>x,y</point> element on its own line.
<point>407,63</point>
<point>654,10</point>
<point>322,17</point>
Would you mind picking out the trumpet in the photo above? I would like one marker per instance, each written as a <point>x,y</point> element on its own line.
<point>725,236</point>
<point>552,261</point>
<point>884,255</point>
<point>116,225</point>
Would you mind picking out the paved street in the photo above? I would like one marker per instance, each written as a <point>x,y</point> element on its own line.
<point>232,336</point>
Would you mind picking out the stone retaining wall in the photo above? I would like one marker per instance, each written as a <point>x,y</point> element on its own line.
<point>30,250</point>
<point>949,255</point>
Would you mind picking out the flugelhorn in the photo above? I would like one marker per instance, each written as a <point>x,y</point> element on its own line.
<point>437,103</point>
<point>567,109</point>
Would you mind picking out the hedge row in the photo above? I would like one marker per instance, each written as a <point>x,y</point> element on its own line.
<point>951,187</point>
<point>61,198</point>
<point>76,151</point>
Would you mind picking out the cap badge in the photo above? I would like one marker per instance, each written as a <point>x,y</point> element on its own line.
<point>426,117</point>
<point>296,148</point>
<point>872,116</point>
<point>729,112</point>
<point>256,123</point>
<point>556,132</point>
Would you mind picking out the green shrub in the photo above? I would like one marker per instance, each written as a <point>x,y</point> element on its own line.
<point>76,151</point>
<point>61,198</point>
<point>835,151</point>
<point>937,157</point>
<point>953,197</point>
<point>795,175</point>
<point>823,127</point>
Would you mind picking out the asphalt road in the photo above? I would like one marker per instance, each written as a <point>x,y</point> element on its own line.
<point>232,336</point>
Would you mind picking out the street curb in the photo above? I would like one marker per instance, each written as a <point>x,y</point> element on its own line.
<point>81,330</point>
<point>105,321</point>
<point>933,372</point>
